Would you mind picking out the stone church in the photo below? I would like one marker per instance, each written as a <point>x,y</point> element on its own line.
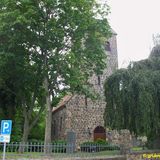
<point>80,114</point>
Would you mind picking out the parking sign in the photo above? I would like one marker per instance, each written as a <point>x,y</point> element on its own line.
<point>6,126</point>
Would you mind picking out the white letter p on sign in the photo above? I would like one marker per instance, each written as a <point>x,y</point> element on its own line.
<point>6,126</point>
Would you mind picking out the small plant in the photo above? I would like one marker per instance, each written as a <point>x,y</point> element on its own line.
<point>59,142</point>
<point>101,141</point>
<point>88,143</point>
<point>59,146</point>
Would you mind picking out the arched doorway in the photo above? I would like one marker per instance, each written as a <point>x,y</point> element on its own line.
<point>99,133</point>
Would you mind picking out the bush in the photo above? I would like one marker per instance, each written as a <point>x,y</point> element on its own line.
<point>97,146</point>
<point>59,142</point>
<point>59,146</point>
<point>101,141</point>
<point>97,142</point>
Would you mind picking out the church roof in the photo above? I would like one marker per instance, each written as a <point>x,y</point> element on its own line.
<point>155,53</point>
<point>113,32</point>
<point>62,103</point>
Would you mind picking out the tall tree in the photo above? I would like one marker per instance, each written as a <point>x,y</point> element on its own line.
<point>63,38</point>
<point>19,89</point>
<point>133,97</point>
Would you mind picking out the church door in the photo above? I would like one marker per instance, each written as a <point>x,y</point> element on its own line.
<point>99,133</point>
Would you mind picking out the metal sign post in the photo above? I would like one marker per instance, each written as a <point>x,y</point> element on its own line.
<point>4,151</point>
<point>6,127</point>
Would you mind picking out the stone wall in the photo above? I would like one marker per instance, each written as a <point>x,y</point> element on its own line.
<point>79,118</point>
<point>122,137</point>
<point>59,124</point>
<point>84,119</point>
<point>81,114</point>
<point>111,66</point>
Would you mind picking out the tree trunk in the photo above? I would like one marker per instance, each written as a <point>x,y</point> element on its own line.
<point>47,141</point>
<point>25,130</point>
<point>25,134</point>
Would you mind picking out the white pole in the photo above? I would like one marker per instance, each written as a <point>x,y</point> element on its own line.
<point>4,150</point>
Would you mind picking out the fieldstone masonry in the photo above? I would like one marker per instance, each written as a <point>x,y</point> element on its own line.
<point>80,114</point>
<point>122,138</point>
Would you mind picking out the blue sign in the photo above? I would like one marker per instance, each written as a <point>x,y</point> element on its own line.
<point>6,126</point>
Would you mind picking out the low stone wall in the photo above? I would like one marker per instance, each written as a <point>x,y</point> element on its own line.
<point>122,137</point>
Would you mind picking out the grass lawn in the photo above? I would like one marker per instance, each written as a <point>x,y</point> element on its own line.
<point>34,155</point>
<point>137,148</point>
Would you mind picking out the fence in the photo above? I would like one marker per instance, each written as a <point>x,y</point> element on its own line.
<point>57,151</point>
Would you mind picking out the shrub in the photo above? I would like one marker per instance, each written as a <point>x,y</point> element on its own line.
<point>59,142</point>
<point>97,146</point>
<point>101,141</point>
<point>59,146</point>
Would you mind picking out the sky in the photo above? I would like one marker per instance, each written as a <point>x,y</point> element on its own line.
<point>135,22</point>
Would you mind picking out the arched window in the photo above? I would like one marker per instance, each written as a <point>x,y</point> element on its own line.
<point>99,129</point>
<point>107,46</point>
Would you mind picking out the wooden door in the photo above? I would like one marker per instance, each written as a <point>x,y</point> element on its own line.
<point>99,133</point>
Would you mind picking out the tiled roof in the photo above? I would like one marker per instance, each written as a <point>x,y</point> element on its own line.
<point>62,103</point>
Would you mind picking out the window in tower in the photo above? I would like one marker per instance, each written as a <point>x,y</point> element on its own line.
<point>107,46</point>
<point>99,80</point>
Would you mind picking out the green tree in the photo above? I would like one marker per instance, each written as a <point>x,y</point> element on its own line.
<point>19,89</point>
<point>133,97</point>
<point>60,40</point>
<point>7,97</point>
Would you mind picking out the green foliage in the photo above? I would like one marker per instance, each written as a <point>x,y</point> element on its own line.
<point>17,130</point>
<point>48,44</point>
<point>89,143</point>
<point>97,142</point>
<point>97,146</point>
<point>101,141</point>
<point>60,146</point>
<point>40,128</point>
<point>59,142</point>
<point>133,98</point>
<point>7,96</point>
<point>51,27</point>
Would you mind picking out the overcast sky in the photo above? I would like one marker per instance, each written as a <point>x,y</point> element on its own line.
<point>135,21</point>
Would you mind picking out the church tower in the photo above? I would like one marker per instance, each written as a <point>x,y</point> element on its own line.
<point>82,115</point>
